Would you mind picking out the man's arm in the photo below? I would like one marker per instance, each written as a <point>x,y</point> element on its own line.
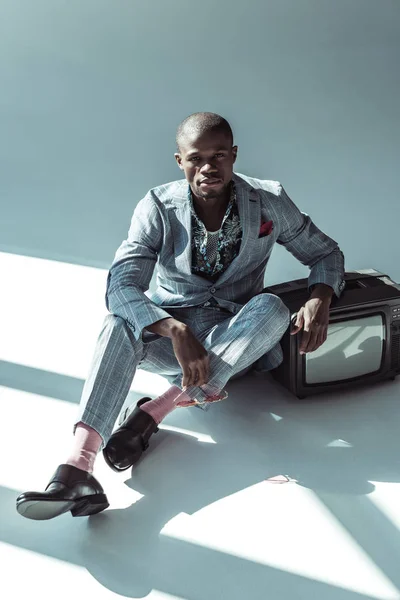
<point>132,269</point>
<point>312,247</point>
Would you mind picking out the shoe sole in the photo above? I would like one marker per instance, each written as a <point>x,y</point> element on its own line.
<point>42,510</point>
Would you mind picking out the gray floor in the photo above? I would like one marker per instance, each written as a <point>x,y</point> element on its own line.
<point>258,497</point>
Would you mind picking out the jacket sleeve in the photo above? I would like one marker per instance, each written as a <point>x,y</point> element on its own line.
<point>311,246</point>
<point>132,269</point>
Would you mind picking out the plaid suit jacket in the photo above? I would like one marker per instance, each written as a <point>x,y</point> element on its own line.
<point>160,233</point>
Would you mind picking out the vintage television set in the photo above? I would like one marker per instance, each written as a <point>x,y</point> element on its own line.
<point>363,341</point>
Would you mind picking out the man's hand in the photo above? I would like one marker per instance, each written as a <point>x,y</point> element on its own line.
<point>314,316</point>
<point>192,356</point>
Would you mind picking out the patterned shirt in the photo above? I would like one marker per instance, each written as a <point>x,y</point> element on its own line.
<point>212,252</point>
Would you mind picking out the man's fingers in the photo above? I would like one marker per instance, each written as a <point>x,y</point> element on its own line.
<point>203,374</point>
<point>311,340</point>
<point>186,378</point>
<point>191,378</point>
<point>197,373</point>
<point>197,377</point>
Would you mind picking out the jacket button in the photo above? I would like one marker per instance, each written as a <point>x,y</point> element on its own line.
<point>212,290</point>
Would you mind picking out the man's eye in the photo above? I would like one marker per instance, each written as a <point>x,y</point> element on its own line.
<point>194,158</point>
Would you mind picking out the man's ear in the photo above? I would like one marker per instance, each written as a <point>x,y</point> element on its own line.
<point>178,159</point>
<point>234,152</point>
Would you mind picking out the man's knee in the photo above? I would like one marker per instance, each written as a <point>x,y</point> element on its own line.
<point>116,323</point>
<point>269,303</point>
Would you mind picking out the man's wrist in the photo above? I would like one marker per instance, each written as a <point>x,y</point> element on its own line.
<point>168,327</point>
<point>322,291</point>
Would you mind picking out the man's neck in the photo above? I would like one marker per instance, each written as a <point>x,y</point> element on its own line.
<point>212,208</point>
<point>212,216</point>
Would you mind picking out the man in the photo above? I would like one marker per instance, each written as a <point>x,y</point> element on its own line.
<point>211,234</point>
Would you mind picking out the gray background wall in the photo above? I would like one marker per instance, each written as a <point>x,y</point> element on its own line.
<point>91,93</point>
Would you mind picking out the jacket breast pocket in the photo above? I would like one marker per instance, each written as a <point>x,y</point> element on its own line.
<point>264,244</point>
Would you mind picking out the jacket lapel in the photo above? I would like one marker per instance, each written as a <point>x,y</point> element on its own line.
<point>249,210</point>
<point>180,220</point>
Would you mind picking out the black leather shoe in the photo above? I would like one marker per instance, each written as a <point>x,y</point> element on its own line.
<point>71,489</point>
<point>127,444</point>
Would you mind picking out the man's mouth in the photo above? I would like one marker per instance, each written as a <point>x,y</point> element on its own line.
<point>210,182</point>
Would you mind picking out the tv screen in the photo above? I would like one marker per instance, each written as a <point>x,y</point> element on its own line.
<point>354,347</point>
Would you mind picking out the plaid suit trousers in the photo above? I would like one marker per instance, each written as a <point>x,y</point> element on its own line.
<point>234,342</point>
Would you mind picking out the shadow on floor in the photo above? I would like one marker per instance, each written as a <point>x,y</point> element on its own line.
<point>257,438</point>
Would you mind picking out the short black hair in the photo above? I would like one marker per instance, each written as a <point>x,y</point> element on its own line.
<point>202,122</point>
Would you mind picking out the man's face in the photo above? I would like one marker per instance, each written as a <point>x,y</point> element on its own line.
<point>207,161</point>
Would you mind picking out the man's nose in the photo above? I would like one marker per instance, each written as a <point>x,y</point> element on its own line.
<point>208,167</point>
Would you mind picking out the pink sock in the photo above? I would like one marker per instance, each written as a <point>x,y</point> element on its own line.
<point>87,443</point>
<point>164,404</point>
<point>171,399</point>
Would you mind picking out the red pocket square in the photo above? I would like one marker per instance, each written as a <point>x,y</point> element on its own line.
<point>266,228</point>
